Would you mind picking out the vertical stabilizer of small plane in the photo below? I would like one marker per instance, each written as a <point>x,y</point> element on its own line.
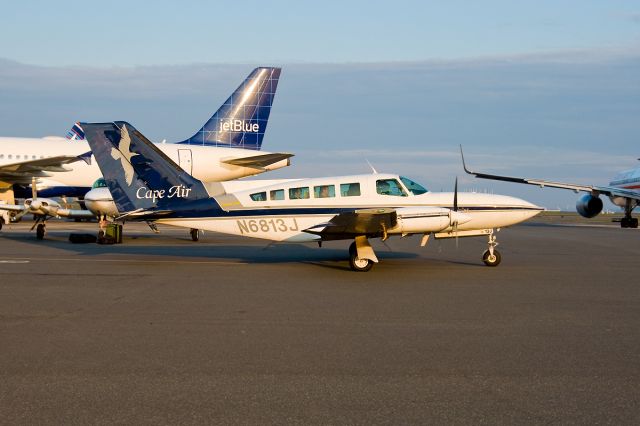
<point>242,120</point>
<point>75,133</point>
<point>138,174</point>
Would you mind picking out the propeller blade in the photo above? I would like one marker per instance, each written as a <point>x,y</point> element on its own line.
<point>34,188</point>
<point>455,196</point>
<point>455,209</point>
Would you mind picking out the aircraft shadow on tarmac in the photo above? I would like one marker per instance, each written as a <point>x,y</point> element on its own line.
<point>207,249</point>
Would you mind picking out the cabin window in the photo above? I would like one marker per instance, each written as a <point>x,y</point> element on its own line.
<point>299,193</point>
<point>33,157</point>
<point>349,189</point>
<point>277,194</point>
<point>390,187</point>
<point>10,157</point>
<point>414,188</point>
<point>324,191</point>
<point>259,196</point>
<point>1,156</point>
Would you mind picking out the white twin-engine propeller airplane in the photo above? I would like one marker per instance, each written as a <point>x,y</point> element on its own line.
<point>41,209</point>
<point>623,191</point>
<point>333,208</point>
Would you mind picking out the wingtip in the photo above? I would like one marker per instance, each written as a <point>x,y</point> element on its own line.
<point>464,164</point>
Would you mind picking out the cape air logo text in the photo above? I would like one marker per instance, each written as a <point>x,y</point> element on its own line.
<point>232,125</point>
<point>177,191</point>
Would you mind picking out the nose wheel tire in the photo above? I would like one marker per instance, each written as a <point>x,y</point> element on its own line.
<point>195,235</point>
<point>491,259</point>
<point>40,230</point>
<point>357,264</point>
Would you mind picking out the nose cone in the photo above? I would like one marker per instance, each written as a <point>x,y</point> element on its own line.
<point>100,202</point>
<point>35,205</point>
<point>495,211</point>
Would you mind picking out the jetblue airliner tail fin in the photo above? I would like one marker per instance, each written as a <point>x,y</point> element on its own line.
<point>139,175</point>
<point>242,120</point>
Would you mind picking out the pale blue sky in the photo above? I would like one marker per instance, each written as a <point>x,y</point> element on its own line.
<point>164,32</point>
<point>547,89</point>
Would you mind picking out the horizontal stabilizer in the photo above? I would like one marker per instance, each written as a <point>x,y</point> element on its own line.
<point>259,161</point>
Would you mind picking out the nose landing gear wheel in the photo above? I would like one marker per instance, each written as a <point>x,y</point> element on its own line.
<point>195,236</point>
<point>491,259</point>
<point>40,230</point>
<point>357,264</point>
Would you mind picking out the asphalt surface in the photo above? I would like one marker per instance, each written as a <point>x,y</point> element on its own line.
<point>162,330</point>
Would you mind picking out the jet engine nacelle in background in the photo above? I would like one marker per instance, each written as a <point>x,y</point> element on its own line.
<point>589,206</point>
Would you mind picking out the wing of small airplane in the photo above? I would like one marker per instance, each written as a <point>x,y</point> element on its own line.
<point>595,190</point>
<point>24,171</point>
<point>259,161</point>
<point>370,222</point>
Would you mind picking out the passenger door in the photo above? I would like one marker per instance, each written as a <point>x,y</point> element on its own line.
<point>185,160</point>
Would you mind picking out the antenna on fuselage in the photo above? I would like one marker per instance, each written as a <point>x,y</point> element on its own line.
<point>375,172</point>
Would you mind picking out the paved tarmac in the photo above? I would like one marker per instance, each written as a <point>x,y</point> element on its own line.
<point>162,330</point>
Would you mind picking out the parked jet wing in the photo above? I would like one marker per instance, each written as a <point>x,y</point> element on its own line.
<point>24,171</point>
<point>259,161</point>
<point>610,191</point>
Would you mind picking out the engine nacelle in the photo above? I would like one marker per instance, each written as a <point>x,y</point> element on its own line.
<point>418,220</point>
<point>589,205</point>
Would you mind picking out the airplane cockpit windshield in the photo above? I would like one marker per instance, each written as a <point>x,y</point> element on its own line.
<point>390,187</point>
<point>100,183</point>
<point>413,187</point>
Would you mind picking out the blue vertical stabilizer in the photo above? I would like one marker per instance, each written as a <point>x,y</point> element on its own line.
<point>242,120</point>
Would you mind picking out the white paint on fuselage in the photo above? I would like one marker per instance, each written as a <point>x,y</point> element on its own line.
<point>484,211</point>
<point>206,162</point>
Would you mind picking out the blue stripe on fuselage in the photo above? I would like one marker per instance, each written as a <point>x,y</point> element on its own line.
<point>22,191</point>
<point>217,212</point>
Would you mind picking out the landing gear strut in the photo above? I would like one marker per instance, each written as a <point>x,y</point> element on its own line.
<point>492,257</point>
<point>40,231</point>
<point>357,264</point>
<point>628,221</point>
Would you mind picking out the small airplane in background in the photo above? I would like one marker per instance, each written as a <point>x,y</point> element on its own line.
<point>152,187</point>
<point>623,191</point>
<point>41,209</point>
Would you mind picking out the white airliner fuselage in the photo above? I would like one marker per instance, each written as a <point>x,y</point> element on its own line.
<point>204,162</point>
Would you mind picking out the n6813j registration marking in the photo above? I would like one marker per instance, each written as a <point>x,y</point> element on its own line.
<point>252,226</point>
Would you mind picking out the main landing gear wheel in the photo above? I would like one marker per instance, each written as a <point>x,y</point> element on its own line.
<point>195,235</point>
<point>357,264</point>
<point>40,231</point>
<point>491,259</point>
<point>629,222</point>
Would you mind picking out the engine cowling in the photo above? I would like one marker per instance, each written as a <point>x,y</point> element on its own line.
<point>589,205</point>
